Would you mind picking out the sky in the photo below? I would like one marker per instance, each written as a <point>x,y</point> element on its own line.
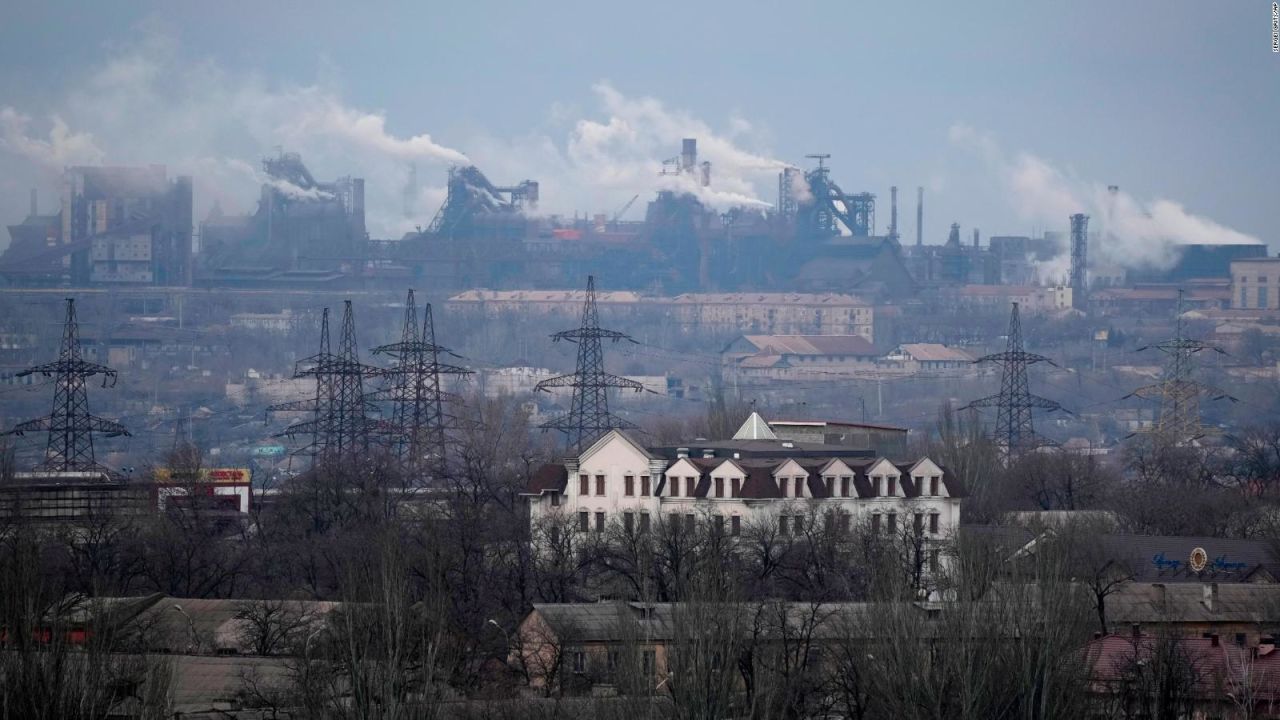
<point>1011,115</point>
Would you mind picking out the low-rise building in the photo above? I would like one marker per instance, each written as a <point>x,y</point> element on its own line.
<point>799,357</point>
<point>914,357</point>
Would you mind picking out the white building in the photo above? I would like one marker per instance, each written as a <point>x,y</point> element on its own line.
<point>754,480</point>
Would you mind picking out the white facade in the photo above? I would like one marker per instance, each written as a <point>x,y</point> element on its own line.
<point>617,481</point>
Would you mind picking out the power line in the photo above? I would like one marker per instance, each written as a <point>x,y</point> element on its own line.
<point>1015,430</point>
<point>589,415</point>
<point>70,425</point>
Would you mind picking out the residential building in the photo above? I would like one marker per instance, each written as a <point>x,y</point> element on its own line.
<point>752,480</point>
<point>799,357</point>
<point>1031,299</point>
<point>781,313</point>
<point>914,357</point>
<point>1255,284</point>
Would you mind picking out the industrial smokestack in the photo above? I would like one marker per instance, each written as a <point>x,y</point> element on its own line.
<point>920,216</point>
<point>706,173</point>
<point>1079,260</point>
<point>893,212</point>
<point>689,154</point>
<point>975,238</point>
<point>35,204</point>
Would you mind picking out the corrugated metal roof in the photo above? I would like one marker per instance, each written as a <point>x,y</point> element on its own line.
<point>812,344</point>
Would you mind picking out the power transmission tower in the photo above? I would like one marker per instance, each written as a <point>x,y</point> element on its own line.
<point>418,400</point>
<point>1177,392</point>
<point>1015,432</point>
<point>70,426</point>
<point>589,415</point>
<point>340,427</point>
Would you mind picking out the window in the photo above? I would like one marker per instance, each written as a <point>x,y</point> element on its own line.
<point>893,523</point>
<point>584,521</point>
<point>600,485</point>
<point>555,535</point>
<point>717,525</point>
<point>830,483</point>
<point>735,488</point>
<point>933,561</point>
<point>1244,297</point>
<point>799,487</point>
<point>555,499</point>
<point>1263,300</point>
<point>644,522</point>
<point>933,523</point>
<point>615,660</point>
<point>918,524</point>
<point>629,521</point>
<point>845,520</point>
<point>875,523</point>
<point>782,524</point>
<point>690,486</point>
<point>844,486</point>
<point>689,522</point>
<point>648,663</point>
<point>629,486</point>
<point>735,525</point>
<point>579,662</point>
<point>783,486</point>
<point>719,487</point>
<point>599,522</point>
<point>644,486</point>
<point>584,487</point>
<point>875,486</point>
<point>893,486</point>
<point>933,486</point>
<point>797,524</point>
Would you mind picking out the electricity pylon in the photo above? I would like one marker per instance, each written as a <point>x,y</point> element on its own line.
<point>70,426</point>
<point>589,415</point>
<point>1015,430</point>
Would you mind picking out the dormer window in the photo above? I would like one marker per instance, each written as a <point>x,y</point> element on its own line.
<point>844,486</point>
<point>690,487</point>
<point>893,486</point>
<point>719,487</point>
<point>736,487</point>
<point>876,488</point>
<point>933,486</point>
<point>799,487</point>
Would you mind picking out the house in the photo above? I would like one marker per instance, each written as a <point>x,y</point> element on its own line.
<point>618,484</point>
<point>914,357</point>
<point>1134,674</point>
<point>799,357</point>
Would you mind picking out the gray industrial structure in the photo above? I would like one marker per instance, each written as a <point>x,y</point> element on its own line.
<point>115,226</point>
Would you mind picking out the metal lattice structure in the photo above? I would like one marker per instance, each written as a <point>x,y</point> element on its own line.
<point>1015,430</point>
<point>1079,261</point>
<point>589,415</point>
<point>340,427</point>
<point>418,415</point>
<point>1177,392</point>
<point>70,426</point>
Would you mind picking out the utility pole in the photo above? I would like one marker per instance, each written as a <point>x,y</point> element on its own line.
<point>589,415</point>
<point>418,401</point>
<point>69,425</point>
<point>1177,392</point>
<point>1015,432</point>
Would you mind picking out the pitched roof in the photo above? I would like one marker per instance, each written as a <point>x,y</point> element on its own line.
<point>551,477</point>
<point>935,352</point>
<point>755,428</point>
<point>812,344</point>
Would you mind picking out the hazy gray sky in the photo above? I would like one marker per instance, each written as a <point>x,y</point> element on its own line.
<point>1009,113</point>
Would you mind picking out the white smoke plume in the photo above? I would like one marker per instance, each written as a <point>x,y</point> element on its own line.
<point>1137,235</point>
<point>144,105</point>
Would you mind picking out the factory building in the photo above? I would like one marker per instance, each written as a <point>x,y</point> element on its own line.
<point>116,226</point>
<point>1255,284</point>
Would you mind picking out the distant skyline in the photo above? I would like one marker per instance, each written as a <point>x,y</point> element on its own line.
<point>1009,114</point>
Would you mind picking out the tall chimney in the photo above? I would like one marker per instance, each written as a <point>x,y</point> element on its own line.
<point>975,238</point>
<point>35,205</point>
<point>920,215</point>
<point>689,154</point>
<point>893,212</point>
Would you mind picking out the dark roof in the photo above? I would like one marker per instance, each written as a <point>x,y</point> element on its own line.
<point>1167,558</point>
<point>551,477</point>
<point>778,449</point>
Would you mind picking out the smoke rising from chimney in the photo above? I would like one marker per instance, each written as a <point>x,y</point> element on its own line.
<point>1141,234</point>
